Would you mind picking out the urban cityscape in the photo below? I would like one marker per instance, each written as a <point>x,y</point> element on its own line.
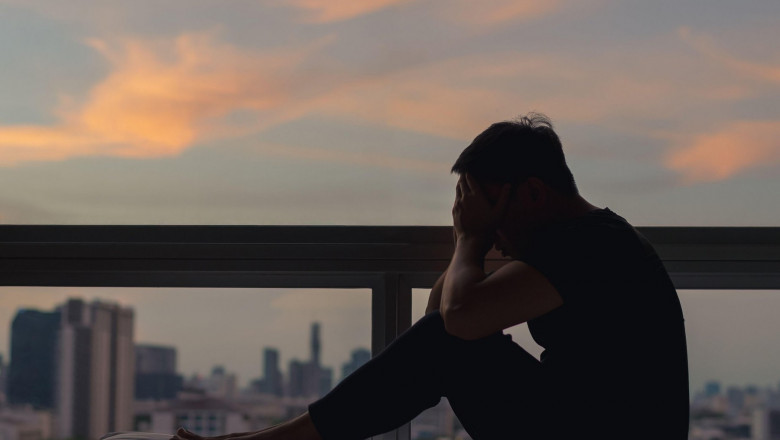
<point>76,372</point>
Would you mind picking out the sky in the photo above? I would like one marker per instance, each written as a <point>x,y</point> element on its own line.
<point>351,113</point>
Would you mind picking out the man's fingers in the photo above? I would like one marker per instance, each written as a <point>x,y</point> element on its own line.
<point>472,184</point>
<point>184,434</point>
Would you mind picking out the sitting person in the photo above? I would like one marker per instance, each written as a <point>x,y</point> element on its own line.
<point>593,291</point>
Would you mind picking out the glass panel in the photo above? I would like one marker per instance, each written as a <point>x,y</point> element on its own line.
<point>440,422</point>
<point>734,358</point>
<point>213,360</point>
<point>733,355</point>
<point>333,112</point>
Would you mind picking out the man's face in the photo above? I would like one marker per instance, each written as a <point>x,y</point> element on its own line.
<point>505,231</point>
<point>516,222</point>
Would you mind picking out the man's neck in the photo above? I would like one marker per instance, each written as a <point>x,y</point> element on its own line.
<point>571,207</point>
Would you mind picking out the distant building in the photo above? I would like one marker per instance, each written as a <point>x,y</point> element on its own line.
<point>220,384</point>
<point>155,373</point>
<point>735,397</point>
<point>96,363</point>
<point>359,357</point>
<point>297,378</point>
<point>712,388</point>
<point>766,424</point>
<point>25,423</point>
<point>272,382</point>
<point>325,381</point>
<point>3,379</point>
<point>315,343</point>
<point>310,379</point>
<point>203,415</point>
<point>31,376</point>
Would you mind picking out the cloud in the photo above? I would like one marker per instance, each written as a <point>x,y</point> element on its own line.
<point>162,96</point>
<point>496,12</point>
<point>361,159</point>
<point>706,45</point>
<point>737,147</point>
<point>327,11</point>
<point>480,14</point>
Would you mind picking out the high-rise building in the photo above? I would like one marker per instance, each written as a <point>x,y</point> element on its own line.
<point>32,371</point>
<point>272,375</point>
<point>325,383</point>
<point>315,343</point>
<point>96,369</point>
<point>359,356</point>
<point>3,379</point>
<point>310,379</point>
<point>155,373</point>
<point>297,378</point>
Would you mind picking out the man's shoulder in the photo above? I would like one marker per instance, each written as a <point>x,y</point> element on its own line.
<point>596,228</point>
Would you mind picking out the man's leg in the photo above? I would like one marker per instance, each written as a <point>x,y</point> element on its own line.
<point>493,385</point>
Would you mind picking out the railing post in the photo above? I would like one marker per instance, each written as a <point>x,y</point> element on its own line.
<point>391,315</point>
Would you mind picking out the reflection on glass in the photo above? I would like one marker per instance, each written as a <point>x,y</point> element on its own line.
<point>733,357</point>
<point>87,361</point>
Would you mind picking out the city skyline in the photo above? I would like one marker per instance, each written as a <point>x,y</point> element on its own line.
<point>738,348</point>
<point>351,112</point>
<point>293,342</point>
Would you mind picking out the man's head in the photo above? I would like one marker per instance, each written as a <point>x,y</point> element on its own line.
<point>527,154</point>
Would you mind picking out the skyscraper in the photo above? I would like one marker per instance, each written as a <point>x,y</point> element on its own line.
<point>310,379</point>
<point>32,372</point>
<point>96,363</point>
<point>3,377</point>
<point>315,343</point>
<point>272,376</point>
<point>359,356</point>
<point>155,373</point>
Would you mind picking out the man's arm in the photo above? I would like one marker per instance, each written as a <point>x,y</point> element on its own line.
<point>475,305</point>
<point>434,299</point>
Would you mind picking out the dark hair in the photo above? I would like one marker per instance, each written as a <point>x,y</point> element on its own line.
<point>512,151</point>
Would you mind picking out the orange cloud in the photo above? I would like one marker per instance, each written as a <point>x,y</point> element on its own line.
<point>495,12</point>
<point>469,12</point>
<point>706,45</point>
<point>737,147</point>
<point>160,97</point>
<point>326,11</point>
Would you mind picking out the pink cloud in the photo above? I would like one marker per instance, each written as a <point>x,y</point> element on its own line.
<point>735,148</point>
<point>495,12</point>
<point>161,97</point>
<point>327,11</point>
<point>472,13</point>
<point>707,45</point>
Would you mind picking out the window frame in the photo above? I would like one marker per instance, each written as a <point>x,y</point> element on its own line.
<point>390,260</point>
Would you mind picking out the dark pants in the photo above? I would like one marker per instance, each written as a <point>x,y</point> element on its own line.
<point>496,388</point>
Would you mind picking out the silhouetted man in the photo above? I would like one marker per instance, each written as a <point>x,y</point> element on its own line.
<point>593,291</point>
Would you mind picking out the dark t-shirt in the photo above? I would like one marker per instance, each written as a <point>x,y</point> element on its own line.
<point>616,347</point>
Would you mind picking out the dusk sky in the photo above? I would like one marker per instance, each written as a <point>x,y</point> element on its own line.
<point>352,112</point>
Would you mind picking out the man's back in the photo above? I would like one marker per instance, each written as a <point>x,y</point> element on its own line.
<point>616,348</point>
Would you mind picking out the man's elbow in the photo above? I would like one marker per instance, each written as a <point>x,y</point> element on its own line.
<point>456,324</point>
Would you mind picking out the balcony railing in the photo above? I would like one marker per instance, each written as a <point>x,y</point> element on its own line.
<point>391,261</point>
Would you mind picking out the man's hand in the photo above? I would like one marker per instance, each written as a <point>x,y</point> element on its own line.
<point>474,217</point>
<point>183,434</point>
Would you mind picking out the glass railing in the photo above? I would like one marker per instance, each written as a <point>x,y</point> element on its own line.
<point>386,263</point>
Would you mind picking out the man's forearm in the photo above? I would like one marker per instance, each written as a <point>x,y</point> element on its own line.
<point>434,299</point>
<point>466,269</point>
